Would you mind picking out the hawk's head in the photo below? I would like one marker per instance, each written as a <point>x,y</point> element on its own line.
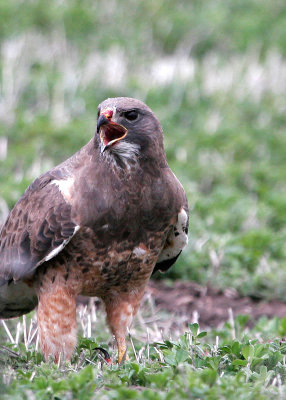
<point>128,128</point>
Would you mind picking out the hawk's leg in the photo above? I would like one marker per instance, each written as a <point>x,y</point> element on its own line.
<point>120,311</point>
<point>57,322</point>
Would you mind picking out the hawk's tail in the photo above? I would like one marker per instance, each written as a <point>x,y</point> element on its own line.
<point>16,299</point>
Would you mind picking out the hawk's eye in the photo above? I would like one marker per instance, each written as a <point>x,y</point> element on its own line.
<point>131,115</point>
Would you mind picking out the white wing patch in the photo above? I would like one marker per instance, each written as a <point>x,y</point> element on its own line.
<point>56,251</point>
<point>65,187</point>
<point>177,238</point>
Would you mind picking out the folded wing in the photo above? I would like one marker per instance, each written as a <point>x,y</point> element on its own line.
<point>37,229</point>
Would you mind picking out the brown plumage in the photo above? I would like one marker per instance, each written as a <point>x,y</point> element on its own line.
<point>99,224</point>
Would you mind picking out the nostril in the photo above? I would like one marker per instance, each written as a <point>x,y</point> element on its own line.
<point>108,114</point>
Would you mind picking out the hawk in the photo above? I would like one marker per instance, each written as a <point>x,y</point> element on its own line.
<point>99,224</point>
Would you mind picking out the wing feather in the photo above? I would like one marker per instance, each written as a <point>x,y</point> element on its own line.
<point>37,229</point>
<point>177,237</point>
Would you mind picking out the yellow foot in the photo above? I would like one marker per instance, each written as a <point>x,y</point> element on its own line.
<point>122,356</point>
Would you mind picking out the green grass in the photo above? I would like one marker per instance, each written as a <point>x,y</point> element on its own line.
<point>232,362</point>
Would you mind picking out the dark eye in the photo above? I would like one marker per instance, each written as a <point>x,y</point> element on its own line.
<point>131,115</point>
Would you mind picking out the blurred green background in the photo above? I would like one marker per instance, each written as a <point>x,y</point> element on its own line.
<point>214,72</point>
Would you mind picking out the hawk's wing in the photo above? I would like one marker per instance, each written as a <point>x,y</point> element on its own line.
<point>177,238</point>
<point>37,229</point>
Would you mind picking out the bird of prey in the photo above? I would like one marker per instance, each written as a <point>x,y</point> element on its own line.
<point>99,224</point>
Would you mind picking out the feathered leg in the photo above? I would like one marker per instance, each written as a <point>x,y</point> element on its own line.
<point>57,322</point>
<point>120,310</point>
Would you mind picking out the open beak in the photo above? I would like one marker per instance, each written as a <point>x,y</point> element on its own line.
<point>109,131</point>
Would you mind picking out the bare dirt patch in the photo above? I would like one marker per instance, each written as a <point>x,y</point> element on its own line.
<point>211,306</point>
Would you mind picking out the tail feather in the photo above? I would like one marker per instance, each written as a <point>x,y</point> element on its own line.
<point>16,299</point>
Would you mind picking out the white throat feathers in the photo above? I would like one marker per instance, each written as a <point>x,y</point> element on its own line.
<point>125,151</point>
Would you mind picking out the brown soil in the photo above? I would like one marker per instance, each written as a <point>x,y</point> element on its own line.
<point>210,306</point>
